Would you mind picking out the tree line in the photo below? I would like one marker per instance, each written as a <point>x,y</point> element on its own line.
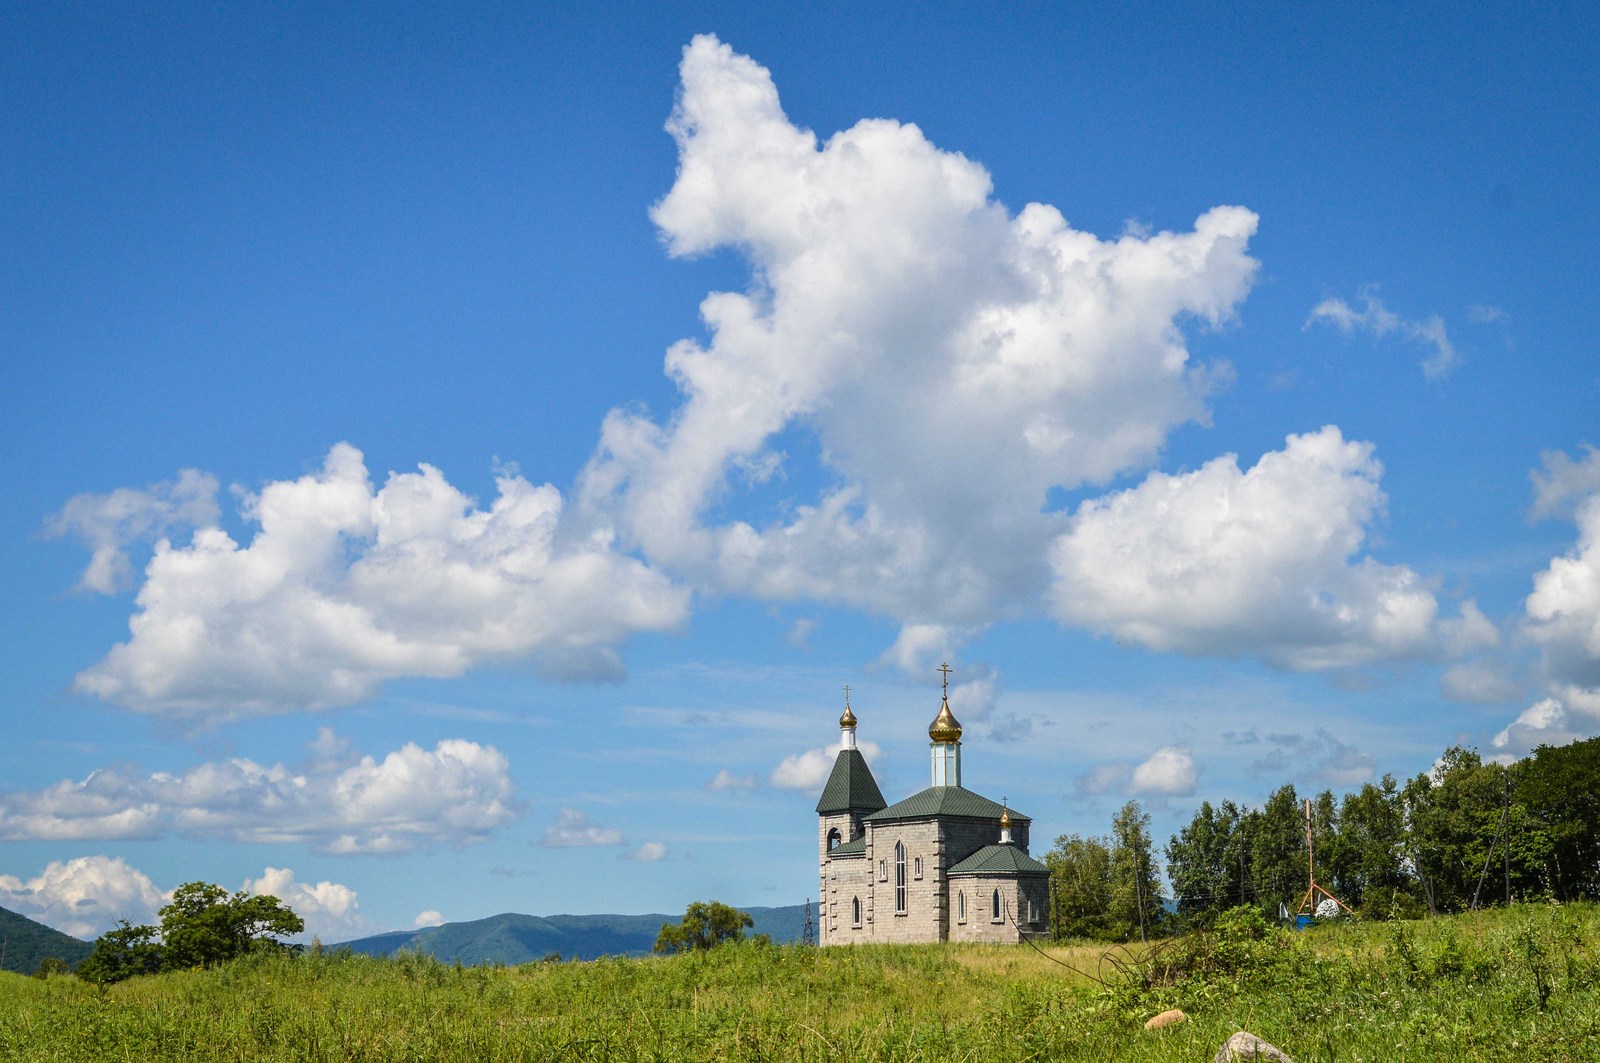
<point>1467,833</point>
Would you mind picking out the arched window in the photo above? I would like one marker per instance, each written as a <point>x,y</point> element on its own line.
<point>833,839</point>
<point>855,911</point>
<point>900,877</point>
<point>961,906</point>
<point>995,907</point>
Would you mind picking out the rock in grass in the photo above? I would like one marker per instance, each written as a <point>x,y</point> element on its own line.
<point>1247,1046</point>
<point>1166,1018</point>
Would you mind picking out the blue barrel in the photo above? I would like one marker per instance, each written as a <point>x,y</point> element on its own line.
<point>1301,922</point>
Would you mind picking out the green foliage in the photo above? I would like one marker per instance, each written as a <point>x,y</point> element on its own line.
<point>121,953</point>
<point>1205,863</point>
<point>52,967</point>
<point>203,926</point>
<point>1080,887</point>
<point>1504,985</point>
<point>705,925</point>
<point>1135,908</point>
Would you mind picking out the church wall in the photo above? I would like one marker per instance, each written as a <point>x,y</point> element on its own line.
<point>980,923</point>
<point>924,918</point>
<point>844,879</point>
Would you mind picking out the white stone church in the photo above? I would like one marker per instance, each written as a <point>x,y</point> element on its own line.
<point>944,864</point>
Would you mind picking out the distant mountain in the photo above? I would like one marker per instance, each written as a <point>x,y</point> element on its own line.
<point>512,939</point>
<point>24,943</point>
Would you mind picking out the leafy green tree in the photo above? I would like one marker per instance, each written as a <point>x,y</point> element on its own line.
<point>1205,863</point>
<point>1275,838</point>
<point>705,925</point>
<point>1373,878</point>
<point>1080,887</point>
<point>122,953</point>
<point>1559,788</point>
<point>203,926</point>
<point>1135,906</point>
<point>1453,816</point>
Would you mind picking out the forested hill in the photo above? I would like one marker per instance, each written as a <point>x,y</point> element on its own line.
<point>511,939</point>
<point>24,943</point>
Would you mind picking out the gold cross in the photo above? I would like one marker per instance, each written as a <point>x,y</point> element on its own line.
<point>945,668</point>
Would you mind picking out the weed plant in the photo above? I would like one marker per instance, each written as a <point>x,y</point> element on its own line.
<point>1521,984</point>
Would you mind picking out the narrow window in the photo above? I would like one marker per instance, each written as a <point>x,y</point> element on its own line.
<point>917,867</point>
<point>883,873</point>
<point>961,906</point>
<point>995,906</point>
<point>855,911</point>
<point>899,878</point>
<point>833,839</point>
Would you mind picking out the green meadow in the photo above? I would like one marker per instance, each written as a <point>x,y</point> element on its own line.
<point>1520,984</point>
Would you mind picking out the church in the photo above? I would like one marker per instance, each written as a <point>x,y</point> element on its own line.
<point>945,864</point>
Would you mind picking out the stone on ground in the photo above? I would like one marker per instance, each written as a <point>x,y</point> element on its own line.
<point>1166,1018</point>
<point>1247,1046</point>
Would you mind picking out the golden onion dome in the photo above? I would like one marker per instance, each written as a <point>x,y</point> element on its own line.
<point>848,720</point>
<point>1005,819</point>
<point>945,727</point>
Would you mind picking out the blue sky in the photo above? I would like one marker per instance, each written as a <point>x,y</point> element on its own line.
<point>398,519</point>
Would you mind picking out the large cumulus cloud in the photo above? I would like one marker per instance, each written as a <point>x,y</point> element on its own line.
<point>455,794</point>
<point>345,585</point>
<point>1265,561</point>
<point>951,362</point>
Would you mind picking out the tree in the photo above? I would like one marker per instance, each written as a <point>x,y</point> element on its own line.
<point>705,925</point>
<point>1205,863</point>
<point>1080,887</point>
<point>122,953</point>
<point>1275,837</point>
<point>1135,907</point>
<point>203,926</point>
<point>1373,878</point>
<point>1559,786</point>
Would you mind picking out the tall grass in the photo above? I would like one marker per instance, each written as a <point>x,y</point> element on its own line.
<point>1508,985</point>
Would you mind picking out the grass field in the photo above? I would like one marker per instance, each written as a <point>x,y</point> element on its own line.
<point>1522,984</point>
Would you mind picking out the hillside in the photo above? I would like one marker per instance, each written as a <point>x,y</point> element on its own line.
<point>24,943</point>
<point>1504,985</point>
<point>511,939</point>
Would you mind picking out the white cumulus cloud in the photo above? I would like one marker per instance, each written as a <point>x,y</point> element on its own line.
<point>1545,722</point>
<point>344,586</point>
<point>108,524</point>
<point>951,361</point>
<point>84,896</point>
<point>649,852</point>
<point>572,829</point>
<point>427,918</point>
<point>1379,321</point>
<point>1169,771</point>
<point>331,911</point>
<point>809,770</point>
<point>456,793</point>
<point>1264,561</point>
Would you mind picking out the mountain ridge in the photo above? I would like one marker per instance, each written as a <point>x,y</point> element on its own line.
<point>27,942</point>
<point>512,938</point>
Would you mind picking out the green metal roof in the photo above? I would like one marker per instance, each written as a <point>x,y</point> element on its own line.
<point>855,848</point>
<point>851,787</point>
<point>999,860</point>
<point>944,801</point>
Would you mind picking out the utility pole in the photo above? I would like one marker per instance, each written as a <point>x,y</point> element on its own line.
<point>1506,818</point>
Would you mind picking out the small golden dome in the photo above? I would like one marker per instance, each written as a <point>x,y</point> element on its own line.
<point>848,720</point>
<point>945,727</point>
<point>1005,819</point>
